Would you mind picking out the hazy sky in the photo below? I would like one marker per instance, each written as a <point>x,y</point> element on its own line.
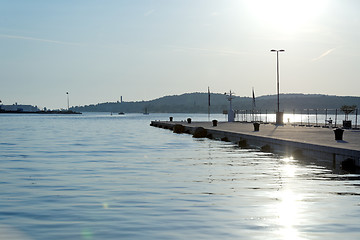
<point>144,49</point>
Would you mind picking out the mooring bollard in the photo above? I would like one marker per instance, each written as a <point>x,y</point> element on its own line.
<point>214,122</point>
<point>256,126</point>
<point>171,119</point>
<point>338,134</point>
<point>189,120</point>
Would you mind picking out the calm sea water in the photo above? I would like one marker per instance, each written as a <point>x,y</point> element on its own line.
<point>96,176</point>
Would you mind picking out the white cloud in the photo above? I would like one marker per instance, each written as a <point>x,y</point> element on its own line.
<point>148,13</point>
<point>323,55</point>
<point>37,39</point>
<point>207,50</point>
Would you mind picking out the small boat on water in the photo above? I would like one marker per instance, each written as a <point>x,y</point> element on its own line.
<point>121,113</point>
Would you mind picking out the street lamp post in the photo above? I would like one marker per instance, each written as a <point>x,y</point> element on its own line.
<point>279,115</point>
<point>231,111</point>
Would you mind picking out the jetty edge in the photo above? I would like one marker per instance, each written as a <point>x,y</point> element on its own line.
<point>318,144</point>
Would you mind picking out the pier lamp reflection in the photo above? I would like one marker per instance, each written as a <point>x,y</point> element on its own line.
<point>288,201</point>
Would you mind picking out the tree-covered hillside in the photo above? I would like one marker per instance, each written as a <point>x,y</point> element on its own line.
<point>198,103</point>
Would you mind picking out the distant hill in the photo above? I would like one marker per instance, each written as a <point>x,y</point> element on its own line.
<point>198,103</point>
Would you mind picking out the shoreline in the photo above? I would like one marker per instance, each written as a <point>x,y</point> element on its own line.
<point>314,143</point>
<point>39,112</point>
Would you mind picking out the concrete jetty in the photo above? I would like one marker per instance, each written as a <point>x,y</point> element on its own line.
<point>306,142</point>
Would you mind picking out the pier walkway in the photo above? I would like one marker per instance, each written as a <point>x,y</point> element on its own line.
<point>311,141</point>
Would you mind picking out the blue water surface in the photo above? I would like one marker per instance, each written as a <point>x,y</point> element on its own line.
<point>102,176</point>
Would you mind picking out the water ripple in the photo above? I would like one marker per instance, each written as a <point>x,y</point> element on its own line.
<point>98,176</point>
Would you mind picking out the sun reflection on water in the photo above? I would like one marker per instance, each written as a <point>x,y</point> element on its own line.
<point>288,169</point>
<point>288,214</point>
<point>289,201</point>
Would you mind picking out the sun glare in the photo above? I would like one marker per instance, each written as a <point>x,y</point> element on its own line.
<point>286,15</point>
<point>288,214</point>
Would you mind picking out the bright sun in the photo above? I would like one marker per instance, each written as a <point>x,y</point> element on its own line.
<point>286,15</point>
